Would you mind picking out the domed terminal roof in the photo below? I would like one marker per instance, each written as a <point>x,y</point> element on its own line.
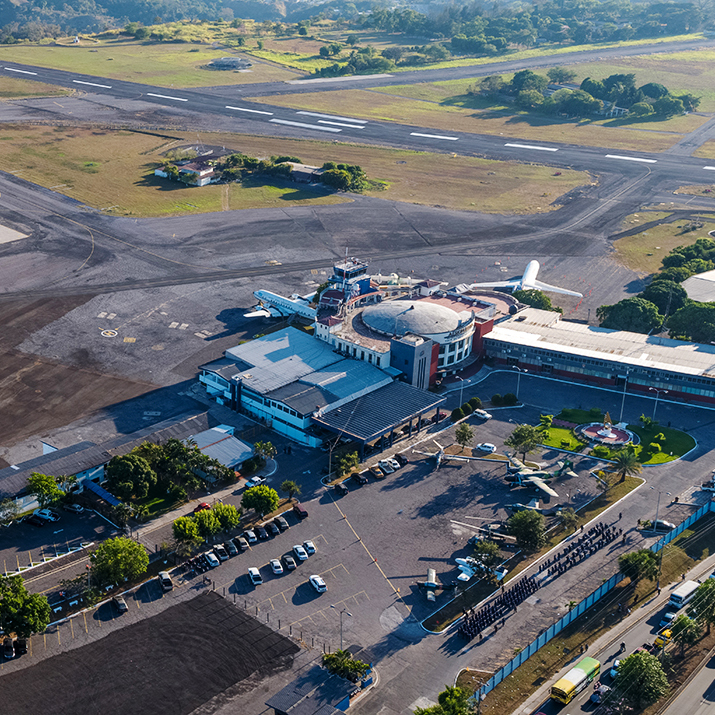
<point>397,317</point>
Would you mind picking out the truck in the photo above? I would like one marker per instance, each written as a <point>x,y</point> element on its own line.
<point>683,594</point>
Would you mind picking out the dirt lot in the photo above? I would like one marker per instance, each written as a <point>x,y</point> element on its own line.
<point>37,394</point>
<point>169,664</point>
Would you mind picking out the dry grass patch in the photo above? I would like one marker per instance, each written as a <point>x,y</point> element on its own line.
<point>13,88</point>
<point>446,117</point>
<point>644,251</point>
<point>168,65</point>
<point>706,150</point>
<point>707,190</point>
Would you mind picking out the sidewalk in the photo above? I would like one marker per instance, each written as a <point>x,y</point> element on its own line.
<point>616,633</point>
<point>144,530</point>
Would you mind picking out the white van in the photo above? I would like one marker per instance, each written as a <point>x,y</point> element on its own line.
<point>683,594</point>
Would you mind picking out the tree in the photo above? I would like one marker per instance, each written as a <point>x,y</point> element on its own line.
<point>337,178</point>
<point>633,314</point>
<point>290,487</point>
<point>117,560</point>
<point>641,680</point>
<point>593,87</point>
<point>492,84</point>
<point>667,296</point>
<point>228,516</point>
<point>545,422</point>
<point>581,104</point>
<point>457,414</point>
<point>352,40</point>
<point>121,513</point>
<point>536,299</point>
<point>569,519</point>
<point>528,528</point>
<point>464,435</point>
<point>525,80</point>
<point>262,499</point>
<point>324,51</point>
<point>704,597</point>
<point>524,439</point>
<point>44,488</point>
<point>207,523</point>
<point>654,90</point>
<point>21,612</point>
<point>668,106</point>
<point>686,632</point>
<point>695,321</point>
<point>265,450</point>
<point>626,464</point>
<point>639,564</point>
<point>186,530</point>
<point>487,552</point>
<point>529,99</point>
<point>640,109</point>
<point>341,663</point>
<point>561,75</point>
<point>690,101</point>
<point>9,511</point>
<point>347,463</point>
<point>475,403</point>
<point>130,475</point>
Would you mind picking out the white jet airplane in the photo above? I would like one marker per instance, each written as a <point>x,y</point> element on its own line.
<point>527,282</point>
<point>440,456</point>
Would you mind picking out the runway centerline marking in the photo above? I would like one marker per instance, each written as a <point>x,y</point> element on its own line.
<point>433,136</point>
<point>93,84</point>
<point>631,158</point>
<point>304,125</point>
<point>333,116</point>
<point>252,111</point>
<point>341,124</point>
<point>12,69</point>
<point>166,96</point>
<point>531,146</point>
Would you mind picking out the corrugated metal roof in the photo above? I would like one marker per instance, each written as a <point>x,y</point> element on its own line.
<point>544,329</point>
<point>372,415</point>
<point>280,358</point>
<point>219,445</point>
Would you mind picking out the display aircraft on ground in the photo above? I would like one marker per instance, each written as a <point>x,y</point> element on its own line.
<point>527,282</point>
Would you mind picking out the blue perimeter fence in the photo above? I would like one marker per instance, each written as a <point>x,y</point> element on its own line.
<point>553,630</point>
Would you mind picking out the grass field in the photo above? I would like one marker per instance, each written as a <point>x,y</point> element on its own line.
<point>112,170</point>
<point>12,88</point>
<point>168,65</point>
<point>296,60</point>
<point>706,190</point>
<point>706,150</point>
<point>368,104</point>
<point>676,443</point>
<point>644,251</point>
<point>562,439</point>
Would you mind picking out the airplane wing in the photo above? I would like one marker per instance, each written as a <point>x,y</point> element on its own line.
<point>457,458</point>
<point>497,284</point>
<point>424,454</point>
<point>260,313</point>
<point>555,289</point>
<point>541,484</point>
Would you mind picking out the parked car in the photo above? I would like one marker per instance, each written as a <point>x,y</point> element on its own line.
<point>261,533</point>
<point>221,553</point>
<point>439,416</point>
<point>487,447</point>
<point>35,520</point>
<point>255,575</point>
<point>309,546</point>
<point>203,506</point>
<point>668,618</point>
<point>165,581</point>
<point>341,489</point>
<point>74,508</point>
<point>300,553</point>
<point>255,481</point>
<point>212,560</point>
<point>318,584</point>
<point>300,511</point>
<point>386,467</point>
<point>276,566</point>
<point>376,472</point>
<point>281,523</point>
<point>230,547</point>
<point>47,514</point>
<point>250,537</point>
<point>20,646</point>
<point>661,525</point>
<point>241,543</point>
<point>402,459</point>
<point>393,463</point>
<point>614,669</point>
<point>272,528</point>
<point>289,562</point>
<point>482,414</point>
<point>359,478</point>
<point>8,648</point>
<point>120,604</point>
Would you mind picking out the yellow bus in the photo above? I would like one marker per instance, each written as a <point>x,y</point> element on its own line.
<point>575,680</point>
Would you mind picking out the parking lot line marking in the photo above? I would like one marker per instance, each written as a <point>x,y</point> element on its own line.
<point>44,636</point>
<point>72,628</point>
<point>58,636</point>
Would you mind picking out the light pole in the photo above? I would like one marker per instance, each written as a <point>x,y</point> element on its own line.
<point>461,390</point>
<point>518,378</point>
<point>655,529</point>
<point>341,611</point>
<point>657,395</point>
<point>623,401</point>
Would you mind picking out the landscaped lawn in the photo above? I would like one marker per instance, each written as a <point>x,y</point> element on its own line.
<point>676,443</point>
<point>156,505</point>
<point>562,438</point>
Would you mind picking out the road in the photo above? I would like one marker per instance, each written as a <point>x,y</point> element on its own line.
<point>283,121</point>
<point>698,698</point>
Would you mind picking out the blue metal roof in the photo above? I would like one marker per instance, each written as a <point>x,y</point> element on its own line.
<point>101,492</point>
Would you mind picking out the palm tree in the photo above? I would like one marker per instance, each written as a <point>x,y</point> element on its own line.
<point>290,488</point>
<point>626,464</point>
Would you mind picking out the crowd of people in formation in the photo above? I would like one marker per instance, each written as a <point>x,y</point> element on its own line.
<point>474,622</point>
<point>581,548</point>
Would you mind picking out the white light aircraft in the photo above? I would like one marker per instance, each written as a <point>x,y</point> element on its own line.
<point>527,282</point>
<point>440,456</point>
